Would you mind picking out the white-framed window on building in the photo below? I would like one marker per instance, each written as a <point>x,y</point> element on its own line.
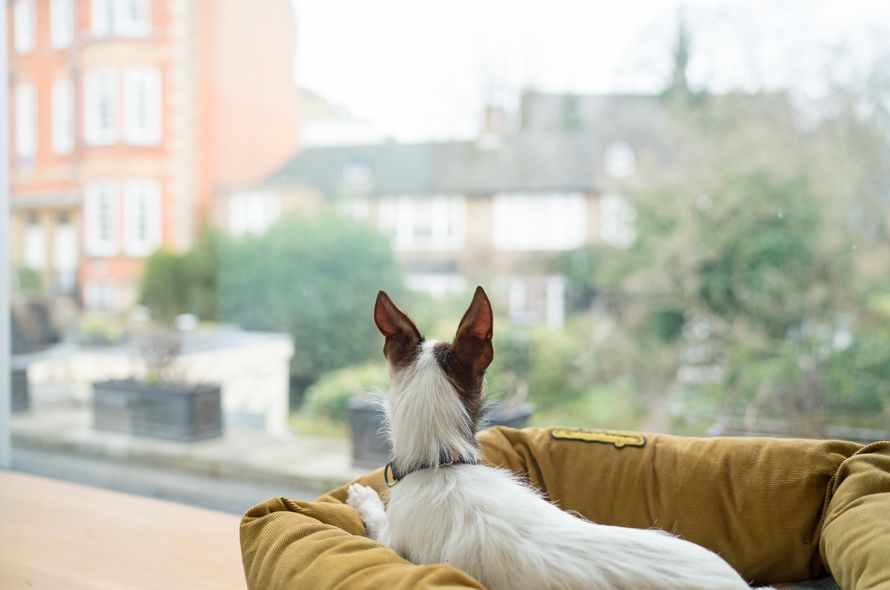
<point>617,221</point>
<point>133,18</point>
<point>142,217</point>
<point>65,254</point>
<point>25,120</point>
<point>437,285</point>
<point>142,105</point>
<point>35,244</point>
<point>24,25</point>
<point>63,116</point>
<point>539,221</point>
<point>61,23</point>
<point>101,218</point>
<point>127,18</point>
<point>101,295</point>
<point>425,223</point>
<point>253,212</point>
<point>101,106</point>
<point>620,159</point>
<point>555,301</point>
<point>102,17</point>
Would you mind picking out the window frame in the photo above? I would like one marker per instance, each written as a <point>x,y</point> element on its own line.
<point>61,23</point>
<point>26,130</point>
<point>62,116</point>
<point>95,245</point>
<point>24,26</point>
<point>136,213</point>
<point>145,80</point>
<point>93,89</point>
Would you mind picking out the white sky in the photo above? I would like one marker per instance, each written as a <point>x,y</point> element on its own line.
<point>421,69</point>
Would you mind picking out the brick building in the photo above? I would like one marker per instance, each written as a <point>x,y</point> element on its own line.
<point>126,117</point>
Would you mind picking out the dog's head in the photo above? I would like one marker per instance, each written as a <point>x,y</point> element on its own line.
<point>417,365</point>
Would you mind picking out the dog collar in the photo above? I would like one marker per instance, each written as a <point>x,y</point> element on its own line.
<point>397,475</point>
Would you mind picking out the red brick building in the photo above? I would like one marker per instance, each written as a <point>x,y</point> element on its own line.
<point>126,117</point>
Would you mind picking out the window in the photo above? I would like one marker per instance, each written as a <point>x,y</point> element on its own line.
<point>617,221</point>
<point>63,116</point>
<point>101,106</point>
<point>65,255</point>
<point>127,18</point>
<point>25,121</point>
<point>539,221</point>
<point>142,105</point>
<point>133,17</point>
<point>101,219</point>
<point>142,217</point>
<point>100,296</point>
<point>620,160</point>
<point>102,17</point>
<point>61,27</point>
<point>35,244</point>
<point>424,223</point>
<point>253,212</point>
<point>25,25</point>
<point>437,285</point>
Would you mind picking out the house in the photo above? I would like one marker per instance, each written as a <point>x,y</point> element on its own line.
<point>127,116</point>
<point>500,210</point>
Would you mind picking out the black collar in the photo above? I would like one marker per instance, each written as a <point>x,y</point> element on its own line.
<point>397,475</point>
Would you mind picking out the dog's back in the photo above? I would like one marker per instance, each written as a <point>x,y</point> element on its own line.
<point>498,530</point>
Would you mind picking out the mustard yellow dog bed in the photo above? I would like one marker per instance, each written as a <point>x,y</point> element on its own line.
<point>778,510</point>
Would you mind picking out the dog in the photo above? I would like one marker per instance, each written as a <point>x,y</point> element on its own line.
<point>446,507</point>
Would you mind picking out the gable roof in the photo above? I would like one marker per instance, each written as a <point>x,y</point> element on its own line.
<point>524,163</point>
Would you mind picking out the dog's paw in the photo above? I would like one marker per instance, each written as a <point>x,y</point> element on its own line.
<point>362,498</point>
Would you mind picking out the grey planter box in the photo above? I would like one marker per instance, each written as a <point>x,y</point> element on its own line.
<point>176,412</point>
<point>370,447</point>
<point>21,394</point>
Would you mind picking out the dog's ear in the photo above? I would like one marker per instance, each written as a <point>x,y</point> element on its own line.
<point>402,336</point>
<point>472,343</point>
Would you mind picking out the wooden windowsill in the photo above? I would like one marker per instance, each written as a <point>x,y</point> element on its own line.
<point>60,535</point>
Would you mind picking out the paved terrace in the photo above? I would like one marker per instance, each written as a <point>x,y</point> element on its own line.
<point>229,473</point>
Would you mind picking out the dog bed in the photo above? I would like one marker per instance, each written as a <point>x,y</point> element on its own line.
<point>778,510</point>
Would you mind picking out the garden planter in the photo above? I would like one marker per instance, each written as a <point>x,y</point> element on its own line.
<point>370,447</point>
<point>21,394</point>
<point>177,412</point>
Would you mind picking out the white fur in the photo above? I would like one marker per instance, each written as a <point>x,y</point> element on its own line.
<point>485,522</point>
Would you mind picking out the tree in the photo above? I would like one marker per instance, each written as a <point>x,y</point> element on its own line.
<point>314,279</point>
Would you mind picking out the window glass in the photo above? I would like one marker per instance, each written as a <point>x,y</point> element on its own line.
<point>25,120</point>
<point>61,30</point>
<point>101,106</point>
<point>24,25</point>
<point>101,218</point>
<point>142,105</point>
<point>63,116</point>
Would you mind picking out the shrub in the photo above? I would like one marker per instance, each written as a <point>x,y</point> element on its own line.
<point>328,397</point>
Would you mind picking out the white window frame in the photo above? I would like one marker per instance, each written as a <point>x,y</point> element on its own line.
<point>101,85</point>
<point>125,25</point>
<point>26,120</point>
<point>65,253</point>
<point>24,25</point>
<point>539,222</point>
<point>142,207</point>
<point>620,159</point>
<point>142,105</point>
<point>400,216</point>
<point>34,244</point>
<point>61,24</point>
<point>95,244</point>
<point>114,17</point>
<point>63,116</point>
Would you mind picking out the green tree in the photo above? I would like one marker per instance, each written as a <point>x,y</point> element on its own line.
<point>314,279</point>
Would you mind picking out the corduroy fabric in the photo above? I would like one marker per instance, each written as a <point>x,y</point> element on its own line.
<point>760,503</point>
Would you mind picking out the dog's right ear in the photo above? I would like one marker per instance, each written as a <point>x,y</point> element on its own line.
<point>402,336</point>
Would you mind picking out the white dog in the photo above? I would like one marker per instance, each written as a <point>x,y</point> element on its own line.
<point>444,507</point>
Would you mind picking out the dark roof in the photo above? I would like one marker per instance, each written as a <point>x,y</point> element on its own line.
<point>524,163</point>
<point>559,147</point>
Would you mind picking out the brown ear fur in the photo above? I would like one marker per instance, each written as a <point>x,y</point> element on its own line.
<point>402,336</point>
<point>472,343</point>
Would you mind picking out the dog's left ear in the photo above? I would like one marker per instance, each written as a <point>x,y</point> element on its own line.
<point>472,343</point>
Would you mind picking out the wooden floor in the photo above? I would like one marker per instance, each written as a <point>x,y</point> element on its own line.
<point>58,535</point>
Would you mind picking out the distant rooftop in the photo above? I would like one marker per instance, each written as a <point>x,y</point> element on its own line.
<point>559,147</point>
